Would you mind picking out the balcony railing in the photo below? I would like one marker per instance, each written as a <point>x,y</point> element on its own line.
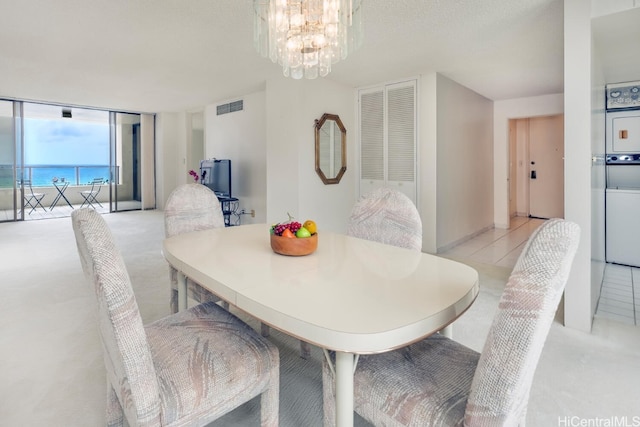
<point>44,175</point>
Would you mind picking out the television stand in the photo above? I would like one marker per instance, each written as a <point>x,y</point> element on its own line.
<point>229,206</point>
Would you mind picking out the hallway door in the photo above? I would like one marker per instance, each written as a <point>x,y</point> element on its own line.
<point>546,167</point>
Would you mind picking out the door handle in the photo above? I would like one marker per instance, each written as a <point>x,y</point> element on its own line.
<point>533,175</point>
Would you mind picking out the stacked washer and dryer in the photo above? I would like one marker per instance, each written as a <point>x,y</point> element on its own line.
<point>623,174</point>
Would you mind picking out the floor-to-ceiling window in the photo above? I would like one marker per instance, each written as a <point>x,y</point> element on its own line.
<point>63,143</point>
<point>56,152</point>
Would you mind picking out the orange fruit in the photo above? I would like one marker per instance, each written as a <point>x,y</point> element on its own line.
<point>311,226</point>
<point>287,233</point>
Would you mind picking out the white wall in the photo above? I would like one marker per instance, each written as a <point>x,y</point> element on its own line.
<point>272,140</point>
<point>428,157</point>
<point>464,202</point>
<point>503,111</point>
<point>292,183</point>
<point>241,137</point>
<point>605,7</point>
<point>271,145</point>
<point>171,136</point>
<point>579,303</point>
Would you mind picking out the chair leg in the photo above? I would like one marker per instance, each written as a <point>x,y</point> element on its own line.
<point>40,204</point>
<point>115,414</point>
<point>28,204</point>
<point>305,349</point>
<point>270,400</point>
<point>99,204</point>
<point>173,303</point>
<point>264,330</point>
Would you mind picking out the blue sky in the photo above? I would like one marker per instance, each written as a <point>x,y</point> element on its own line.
<point>65,142</point>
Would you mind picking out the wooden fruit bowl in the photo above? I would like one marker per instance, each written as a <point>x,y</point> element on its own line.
<point>294,246</point>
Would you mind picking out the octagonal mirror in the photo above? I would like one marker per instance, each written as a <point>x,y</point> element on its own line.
<point>331,148</point>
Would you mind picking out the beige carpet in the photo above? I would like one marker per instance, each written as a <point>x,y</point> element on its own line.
<point>51,362</point>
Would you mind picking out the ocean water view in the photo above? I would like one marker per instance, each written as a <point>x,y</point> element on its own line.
<point>43,175</point>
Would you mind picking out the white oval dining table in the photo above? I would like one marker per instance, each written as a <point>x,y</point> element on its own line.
<point>351,295</point>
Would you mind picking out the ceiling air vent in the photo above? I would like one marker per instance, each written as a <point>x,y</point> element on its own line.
<point>230,107</point>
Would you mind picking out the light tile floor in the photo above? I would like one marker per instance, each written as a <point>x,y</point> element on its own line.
<point>498,246</point>
<point>620,293</point>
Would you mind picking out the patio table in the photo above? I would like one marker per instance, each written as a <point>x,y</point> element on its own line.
<point>61,186</point>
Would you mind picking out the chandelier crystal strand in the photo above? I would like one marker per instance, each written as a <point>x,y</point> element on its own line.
<point>307,36</point>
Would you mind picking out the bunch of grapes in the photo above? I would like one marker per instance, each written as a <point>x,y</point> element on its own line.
<point>278,229</point>
<point>293,226</point>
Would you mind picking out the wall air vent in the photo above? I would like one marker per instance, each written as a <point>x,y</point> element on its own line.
<point>230,107</point>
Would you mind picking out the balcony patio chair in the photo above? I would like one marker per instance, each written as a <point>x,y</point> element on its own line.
<point>90,196</point>
<point>439,382</point>
<point>186,369</point>
<point>32,199</point>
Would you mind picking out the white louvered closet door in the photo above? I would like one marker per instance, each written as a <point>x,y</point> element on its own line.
<point>388,138</point>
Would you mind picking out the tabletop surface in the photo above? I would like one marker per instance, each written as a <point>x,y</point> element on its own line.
<point>350,295</point>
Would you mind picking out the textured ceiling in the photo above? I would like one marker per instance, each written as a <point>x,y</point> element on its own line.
<point>174,55</point>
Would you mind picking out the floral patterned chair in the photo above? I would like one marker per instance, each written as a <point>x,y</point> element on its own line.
<point>439,382</point>
<point>187,369</point>
<point>387,216</point>
<point>191,207</point>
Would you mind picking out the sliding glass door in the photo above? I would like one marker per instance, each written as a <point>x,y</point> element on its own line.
<point>132,160</point>
<point>10,159</point>
<point>60,152</point>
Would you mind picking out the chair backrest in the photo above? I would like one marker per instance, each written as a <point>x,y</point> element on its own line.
<point>97,182</point>
<point>387,216</point>
<point>503,377</point>
<point>191,207</point>
<point>26,183</point>
<point>127,355</point>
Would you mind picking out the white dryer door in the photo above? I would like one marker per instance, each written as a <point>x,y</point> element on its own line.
<point>625,133</point>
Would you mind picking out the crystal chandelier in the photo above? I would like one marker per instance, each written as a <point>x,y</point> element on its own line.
<point>307,36</point>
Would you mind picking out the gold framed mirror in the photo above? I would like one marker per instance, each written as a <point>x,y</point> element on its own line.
<point>331,148</point>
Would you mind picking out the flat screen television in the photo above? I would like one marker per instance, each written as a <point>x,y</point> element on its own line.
<point>216,174</point>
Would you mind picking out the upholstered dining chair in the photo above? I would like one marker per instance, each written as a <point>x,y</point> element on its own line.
<point>186,369</point>
<point>439,382</point>
<point>191,207</point>
<point>387,216</point>
<point>194,207</point>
